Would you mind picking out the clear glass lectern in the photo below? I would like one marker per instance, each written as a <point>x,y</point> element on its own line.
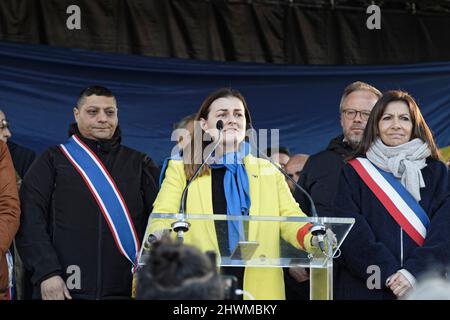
<point>262,241</point>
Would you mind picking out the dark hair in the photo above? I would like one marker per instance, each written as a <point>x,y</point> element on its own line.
<point>283,150</point>
<point>178,271</point>
<point>93,90</point>
<point>420,127</point>
<point>203,112</point>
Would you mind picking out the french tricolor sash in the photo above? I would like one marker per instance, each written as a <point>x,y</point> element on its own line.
<point>106,194</point>
<point>11,276</point>
<point>400,204</point>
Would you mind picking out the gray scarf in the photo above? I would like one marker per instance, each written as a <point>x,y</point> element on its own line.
<point>404,162</point>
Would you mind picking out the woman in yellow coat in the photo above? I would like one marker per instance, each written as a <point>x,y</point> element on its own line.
<point>234,183</point>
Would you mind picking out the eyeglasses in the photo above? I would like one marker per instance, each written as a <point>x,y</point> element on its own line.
<point>4,124</point>
<point>351,114</point>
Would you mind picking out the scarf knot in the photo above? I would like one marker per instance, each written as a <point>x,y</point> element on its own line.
<point>405,162</point>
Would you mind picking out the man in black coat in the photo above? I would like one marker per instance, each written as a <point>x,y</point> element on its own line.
<point>321,172</point>
<point>22,157</point>
<point>65,238</point>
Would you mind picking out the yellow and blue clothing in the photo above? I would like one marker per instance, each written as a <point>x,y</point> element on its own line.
<point>270,196</point>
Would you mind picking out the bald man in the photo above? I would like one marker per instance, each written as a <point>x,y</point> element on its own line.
<point>294,167</point>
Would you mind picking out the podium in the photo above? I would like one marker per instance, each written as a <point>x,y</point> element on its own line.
<point>263,241</point>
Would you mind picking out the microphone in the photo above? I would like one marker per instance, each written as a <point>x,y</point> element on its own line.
<point>181,225</point>
<point>219,125</point>
<point>318,229</point>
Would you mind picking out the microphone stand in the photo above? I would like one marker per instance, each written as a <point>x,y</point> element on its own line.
<point>318,229</point>
<point>181,225</point>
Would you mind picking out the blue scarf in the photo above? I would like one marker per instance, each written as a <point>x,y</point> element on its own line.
<point>236,187</point>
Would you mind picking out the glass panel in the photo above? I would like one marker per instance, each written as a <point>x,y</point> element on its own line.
<point>263,241</point>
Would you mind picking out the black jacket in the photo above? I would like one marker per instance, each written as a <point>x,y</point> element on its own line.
<point>22,158</point>
<point>62,228</point>
<point>320,177</point>
<point>376,239</point>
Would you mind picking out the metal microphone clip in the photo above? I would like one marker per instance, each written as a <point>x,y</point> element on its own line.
<point>319,230</point>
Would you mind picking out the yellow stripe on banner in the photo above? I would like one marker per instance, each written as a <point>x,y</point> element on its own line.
<point>445,152</point>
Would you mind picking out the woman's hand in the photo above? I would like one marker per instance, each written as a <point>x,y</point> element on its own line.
<point>157,235</point>
<point>299,274</point>
<point>329,235</point>
<point>54,288</point>
<point>399,284</point>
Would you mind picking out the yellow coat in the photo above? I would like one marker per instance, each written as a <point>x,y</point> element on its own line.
<point>270,196</point>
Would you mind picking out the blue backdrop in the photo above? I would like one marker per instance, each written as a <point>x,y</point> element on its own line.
<point>39,86</point>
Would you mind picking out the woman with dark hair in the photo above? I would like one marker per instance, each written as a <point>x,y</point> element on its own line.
<point>234,183</point>
<point>397,190</point>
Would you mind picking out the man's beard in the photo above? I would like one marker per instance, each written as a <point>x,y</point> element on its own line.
<point>353,140</point>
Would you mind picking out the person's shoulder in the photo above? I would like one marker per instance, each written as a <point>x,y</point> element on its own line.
<point>436,166</point>
<point>324,154</point>
<point>323,160</point>
<point>14,147</point>
<point>333,150</point>
<point>173,168</point>
<point>51,151</point>
<point>251,160</point>
<point>49,158</point>
<point>49,154</point>
<point>438,174</point>
<point>434,163</point>
<point>348,169</point>
<point>261,167</point>
<point>257,160</point>
<point>177,163</point>
<point>131,151</point>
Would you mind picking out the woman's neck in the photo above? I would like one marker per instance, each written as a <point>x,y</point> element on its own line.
<point>224,149</point>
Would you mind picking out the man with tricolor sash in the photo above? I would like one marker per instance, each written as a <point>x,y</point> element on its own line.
<point>86,203</point>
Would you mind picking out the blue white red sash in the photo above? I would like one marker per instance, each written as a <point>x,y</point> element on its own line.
<point>11,277</point>
<point>400,204</point>
<point>106,194</point>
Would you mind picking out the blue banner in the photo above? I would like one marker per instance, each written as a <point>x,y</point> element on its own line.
<point>39,86</point>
